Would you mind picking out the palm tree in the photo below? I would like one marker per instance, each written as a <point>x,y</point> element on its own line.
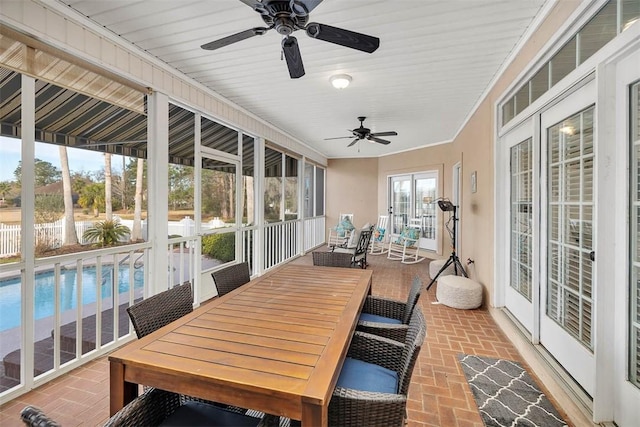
<point>93,197</point>
<point>136,233</point>
<point>108,207</point>
<point>106,233</point>
<point>70,236</point>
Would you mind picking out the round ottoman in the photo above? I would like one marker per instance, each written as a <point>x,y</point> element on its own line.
<point>436,264</point>
<point>459,292</point>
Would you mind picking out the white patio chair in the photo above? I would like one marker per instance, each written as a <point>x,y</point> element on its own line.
<point>406,248</point>
<point>378,246</point>
<point>339,234</point>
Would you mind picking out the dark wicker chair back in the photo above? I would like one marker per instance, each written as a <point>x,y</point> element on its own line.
<point>415,337</point>
<point>231,277</point>
<point>34,417</point>
<point>152,408</point>
<point>159,310</point>
<point>412,299</point>
<point>331,259</point>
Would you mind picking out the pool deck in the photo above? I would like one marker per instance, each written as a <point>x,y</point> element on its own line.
<point>11,339</point>
<point>44,346</point>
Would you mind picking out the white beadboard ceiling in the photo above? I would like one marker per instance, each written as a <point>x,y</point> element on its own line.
<point>436,59</point>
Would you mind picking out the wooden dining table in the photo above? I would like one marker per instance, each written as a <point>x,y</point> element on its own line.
<point>275,345</point>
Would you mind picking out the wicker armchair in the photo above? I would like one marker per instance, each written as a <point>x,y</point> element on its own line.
<point>331,259</point>
<point>155,407</point>
<point>389,318</point>
<point>355,407</point>
<point>161,309</point>
<point>232,277</point>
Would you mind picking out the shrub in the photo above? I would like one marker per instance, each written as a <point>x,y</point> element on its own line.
<point>48,207</point>
<point>106,233</point>
<point>220,246</point>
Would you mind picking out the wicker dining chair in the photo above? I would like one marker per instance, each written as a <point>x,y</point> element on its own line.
<point>359,252</point>
<point>373,384</point>
<point>331,259</point>
<point>157,407</point>
<point>161,309</point>
<point>35,417</point>
<point>232,277</point>
<point>389,318</point>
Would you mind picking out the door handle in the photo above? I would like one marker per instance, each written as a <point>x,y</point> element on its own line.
<point>592,255</point>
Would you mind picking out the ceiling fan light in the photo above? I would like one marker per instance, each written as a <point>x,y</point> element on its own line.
<point>340,81</point>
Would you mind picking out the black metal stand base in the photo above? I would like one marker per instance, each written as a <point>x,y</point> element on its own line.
<point>453,259</point>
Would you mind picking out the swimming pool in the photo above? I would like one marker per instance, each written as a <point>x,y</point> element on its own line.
<point>10,298</point>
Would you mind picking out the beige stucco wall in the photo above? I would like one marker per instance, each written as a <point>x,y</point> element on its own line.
<point>352,187</point>
<point>473,147</point>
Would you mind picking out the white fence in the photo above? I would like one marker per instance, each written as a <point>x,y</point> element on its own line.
<point>51,233</point>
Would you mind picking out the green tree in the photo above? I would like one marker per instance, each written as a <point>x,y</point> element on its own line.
<point>79,180</point>
<point>45,172</point>
<point>92,197</point>
<point>180,187</point>
<point>5,188</point>
<point>48,207</point>
<point>219,188</point>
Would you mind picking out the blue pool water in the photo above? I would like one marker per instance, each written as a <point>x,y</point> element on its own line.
<point>10,298</point>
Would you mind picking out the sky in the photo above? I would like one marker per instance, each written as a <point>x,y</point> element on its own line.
<point>79,160</point>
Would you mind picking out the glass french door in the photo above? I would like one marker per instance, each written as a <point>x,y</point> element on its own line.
<point>414,196</point>
<point>627,410</point>
<point>567,298</point>
<point>400,202</point>
<point>521,294</point>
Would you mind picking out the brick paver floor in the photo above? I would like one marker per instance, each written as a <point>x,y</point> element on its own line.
<point>438,395</point>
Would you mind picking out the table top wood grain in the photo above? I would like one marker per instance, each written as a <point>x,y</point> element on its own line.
<point>276,345</point>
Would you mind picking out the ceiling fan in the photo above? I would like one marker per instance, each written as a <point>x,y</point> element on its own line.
<point>365,133</point>
<point>287,16</point>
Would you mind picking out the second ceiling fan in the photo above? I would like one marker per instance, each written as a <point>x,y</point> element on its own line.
<point>287,16</point>
<point>365,133</point>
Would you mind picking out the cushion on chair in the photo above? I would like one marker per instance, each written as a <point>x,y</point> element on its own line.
<point>344,227</point>
<point>355,236</point>
<point>363,376</point>
<point>366,317</point>
<point>410,235</point>
<point>202,414</point>
<point>378,234</point>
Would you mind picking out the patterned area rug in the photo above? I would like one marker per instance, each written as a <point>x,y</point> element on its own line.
<point>506,394</point>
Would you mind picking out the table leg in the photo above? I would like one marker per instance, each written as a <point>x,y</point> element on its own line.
<point>314,415</point>
<point>120,391</point>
